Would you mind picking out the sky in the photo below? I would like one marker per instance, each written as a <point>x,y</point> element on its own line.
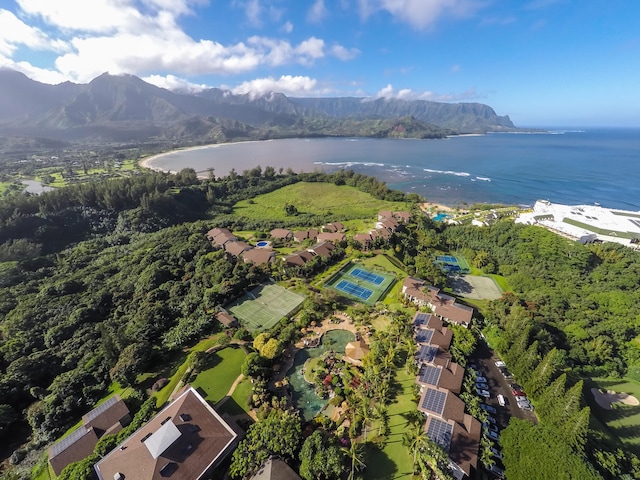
<point>542,62</point>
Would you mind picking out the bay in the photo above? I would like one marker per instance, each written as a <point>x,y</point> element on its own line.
<point>564,166</point>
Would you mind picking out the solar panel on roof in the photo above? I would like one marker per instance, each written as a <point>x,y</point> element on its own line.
<point>427,353</point>
<point>101,409</point>
<point>430,374</point>
<point>66,442</point>
<point>434,401</point>
<point>440,432</point>
<point>421,318</point>
<point>424,335</point>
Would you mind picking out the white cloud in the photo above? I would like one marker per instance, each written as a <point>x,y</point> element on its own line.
<point>35,73</point>
<point>318,12</point>
<point>390,92</point>
<point>344,53</point>
<point>171,82</point>
<point>419,13</point>
<point>287,84</point>
<point>14,32</point>
<point>287,27</point>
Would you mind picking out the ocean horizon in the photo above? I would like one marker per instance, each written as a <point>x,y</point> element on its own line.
<point>562,165</point>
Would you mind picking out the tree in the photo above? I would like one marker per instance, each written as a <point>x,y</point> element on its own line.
<point>355,453</point>
<point>321,458</point>
<point>271,349</point>
<point>416,440</point>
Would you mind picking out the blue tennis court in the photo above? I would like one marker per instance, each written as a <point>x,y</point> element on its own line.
<point>367,276</point>
<point>447,258</point>
<point>353,289</point>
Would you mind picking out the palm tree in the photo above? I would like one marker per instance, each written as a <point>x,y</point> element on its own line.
<point>416,439</point>
<point>355,452</point>
<point>380,412</point>
<point>364,409</point>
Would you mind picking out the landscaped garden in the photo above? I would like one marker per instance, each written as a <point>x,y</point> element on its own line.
<point>219,371</point>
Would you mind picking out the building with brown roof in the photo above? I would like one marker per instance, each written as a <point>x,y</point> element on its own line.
<point>281,233</point>
<point>331,237</point>
<point>333,227</point>
<point>322,249</point>
<point>108,417</point>
<point>298,258</point>
<point>382,214</point>
<point>444,306</point>
<point>390,224</point>
<point>226,319</point>
<point>430,329</point>
<point>236,248</point>
<point>354,352</point>
<point>302,235</point>
<point>220,236</point>
<point>259,256</point>
<point>363,239</point>
<point>275,469</point>
<point>186,440</point>
<point>402,216</point>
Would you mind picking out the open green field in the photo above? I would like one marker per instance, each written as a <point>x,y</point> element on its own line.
<point>264,306</point>
<point>377,291</point>
<point>622,421</point>
<point>394,461</point>
<point>219,373</point>
<point>240,397</point>
<point>316,199</point>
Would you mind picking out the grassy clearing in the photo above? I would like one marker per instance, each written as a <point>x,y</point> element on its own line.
<point>394,461</point>
<point>221,370</point>
<point>240,398</point>
<point>317,199</point>
<point>622,421</point>
<point>501,281</point>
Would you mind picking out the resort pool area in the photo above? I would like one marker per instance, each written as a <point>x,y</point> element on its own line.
<point>304,395</point>
<point>440,217</point>
<point>262,243</point>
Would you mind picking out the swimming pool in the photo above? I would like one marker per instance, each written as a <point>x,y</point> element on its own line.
<point>303,393</point>
<point>440,217</point>
<point>262,243</point>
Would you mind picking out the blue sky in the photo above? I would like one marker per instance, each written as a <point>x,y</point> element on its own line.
<point>543,62</point>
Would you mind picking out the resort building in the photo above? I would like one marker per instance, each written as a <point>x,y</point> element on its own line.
<point>281,233</point>
<point>331,237</point>
<point>275,469</point>
<point>236,248</point>
<point>186,440</point>
<point>444,306</point>
<point>586,223</point>
<point>107,418</point>
<point>302,235</point>
<point>259,256</point>
<point>220,236</point>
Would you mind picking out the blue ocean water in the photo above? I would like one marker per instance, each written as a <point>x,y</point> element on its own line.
<point>563,166</point>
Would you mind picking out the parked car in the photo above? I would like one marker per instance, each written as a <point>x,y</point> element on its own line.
<point>483,393</point>
<point>482,385</point>
<point>500,364</point>
<point>525,405</point>
<point>516,386</point>
<point>480,378</point>
<point>492,435</point>
<point>501,400</point>
<point>506,373</point>
<point>518,393</point>
<point>496,453</point>
<point>490,426</point>
<point>520,398</point>
<point>488,408</point>
<point>496,471</point>
<point>491,419</point>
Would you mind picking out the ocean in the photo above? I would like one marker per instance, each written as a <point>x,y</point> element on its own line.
<point>599,166</point>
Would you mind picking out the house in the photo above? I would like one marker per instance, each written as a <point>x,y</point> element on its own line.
<point>322,249</point>
<point>448,376</point>
<point>236,248</point>
<point>444,306</point>
<point>390,224</point>
<point>402,216</point>
<point>275,469</point>
<point>460,439</point>
<point>281,233</point>
<point>381,233</point>
<point>302,235</point>
<point>363,239</point>
<point>226,319</point>
<point>331,237</point>
<point>383,214</point>
<point>354,352</point>
<point>108,417</point>
<point>259,256</point>
<point>430,329</point>
<point>186,440</point>
<point>298,259</point>
<point>333,227</point>
<point>220,236</point>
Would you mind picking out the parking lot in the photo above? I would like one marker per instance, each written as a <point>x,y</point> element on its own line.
<point>485,359</point>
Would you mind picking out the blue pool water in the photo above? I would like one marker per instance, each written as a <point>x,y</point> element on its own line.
<point>440,217</point>
<point>262,243</point>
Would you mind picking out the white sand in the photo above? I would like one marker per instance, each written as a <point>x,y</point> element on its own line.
<point>606,400</point>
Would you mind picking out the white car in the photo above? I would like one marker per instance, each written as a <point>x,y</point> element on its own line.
<point>501,400</point>
<point>483,393</point>
<point>500,364</point>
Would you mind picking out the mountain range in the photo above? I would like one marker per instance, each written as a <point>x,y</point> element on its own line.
<point>114,108</point>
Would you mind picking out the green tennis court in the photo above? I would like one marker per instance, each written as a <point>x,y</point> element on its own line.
<point>363,285</point>
<point>264,306</point>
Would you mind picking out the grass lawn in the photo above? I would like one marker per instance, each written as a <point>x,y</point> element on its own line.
<point>240,395</point>
<point>394,461</point>
<point>316,199</point>
<point>501,281</point>
<point>622,421</point>
<point>221,370</point>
